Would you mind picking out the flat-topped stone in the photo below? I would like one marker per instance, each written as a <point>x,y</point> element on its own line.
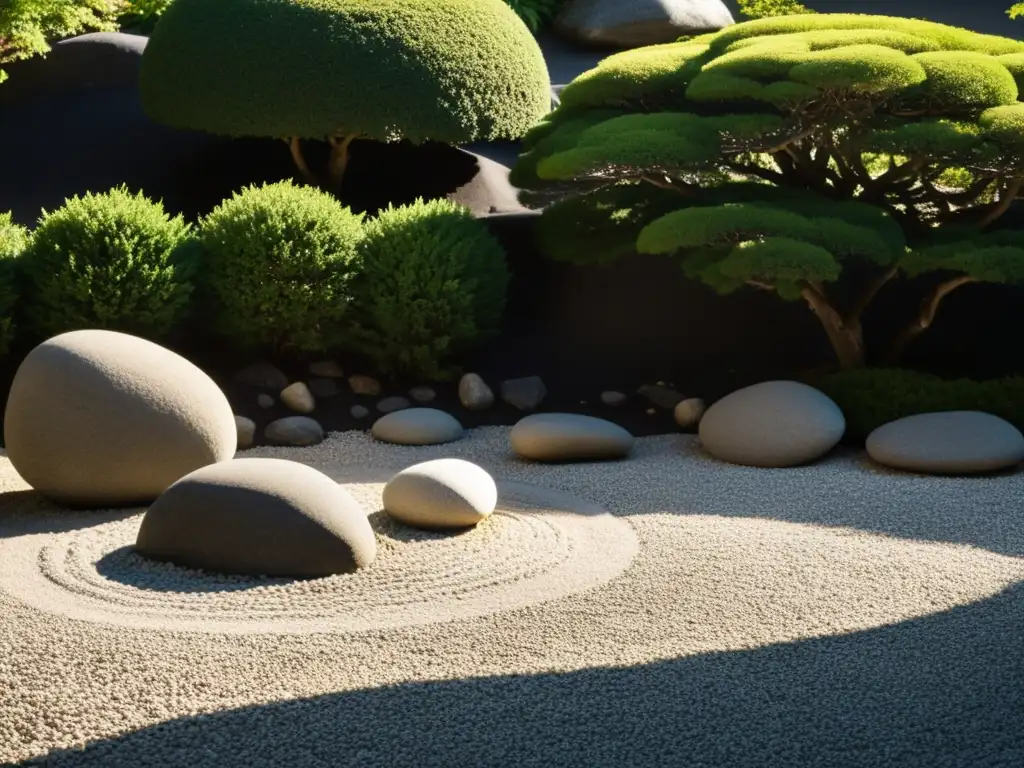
<point>443,493</point>
<point>267,517</point>
<point>947,443</point>
<point>772,424</point>
<point>417,426</point>
<point>569,437</point>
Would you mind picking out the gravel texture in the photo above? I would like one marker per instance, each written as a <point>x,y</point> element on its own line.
<point>833,615</point>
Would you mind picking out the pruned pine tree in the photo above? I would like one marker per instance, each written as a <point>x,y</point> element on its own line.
<point>818,157</point>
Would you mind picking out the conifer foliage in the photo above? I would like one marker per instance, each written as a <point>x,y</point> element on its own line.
<point>782,152</point>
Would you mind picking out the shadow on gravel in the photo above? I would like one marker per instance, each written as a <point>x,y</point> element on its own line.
<point>937,692</point>
<point>26,512</point>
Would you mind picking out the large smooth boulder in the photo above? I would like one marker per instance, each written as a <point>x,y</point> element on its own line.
<point>947,443</point>
<point>772,424</point>
<point>263,517</point>
<point>569,437</point>
<point>94,60</point>
<point>104,419</point>
<point>441,494</point>
<point>417,426</point>
<point>635,23</point>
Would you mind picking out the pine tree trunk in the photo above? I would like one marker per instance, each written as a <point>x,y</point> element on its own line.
<point>847,338</point>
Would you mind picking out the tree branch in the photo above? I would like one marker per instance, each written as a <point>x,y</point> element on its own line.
<point>666,182</point>
<point>847,342</point>
<point>926,315</point>
<point>295,147</point>
<point>853,316</point>
<point>1007,197</point>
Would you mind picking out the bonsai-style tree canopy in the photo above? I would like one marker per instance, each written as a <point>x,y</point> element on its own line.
<point>779,151</point>
<point>452,71</point>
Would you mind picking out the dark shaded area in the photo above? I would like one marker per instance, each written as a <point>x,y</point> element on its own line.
<point>96,60</point>
<point>942,691</point>
<point>583,329</point>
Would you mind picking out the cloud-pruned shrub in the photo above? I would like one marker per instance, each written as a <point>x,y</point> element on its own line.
<point>818,157</point>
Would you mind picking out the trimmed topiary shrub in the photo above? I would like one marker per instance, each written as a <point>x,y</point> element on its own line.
<point>13,241</point>
<point>109,261</point>
<point>452,71</point>
<point>432,286</point>
<point>278,262</point>
<point>871,397</point>
<point>818,157</point>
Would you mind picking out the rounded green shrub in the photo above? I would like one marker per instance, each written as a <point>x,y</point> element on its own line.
<point>454,71</point>
<point>871,397</point>
<point>13,241</point>
<point>110,260</point>
<point>432,286</point>
<point>278,263</point>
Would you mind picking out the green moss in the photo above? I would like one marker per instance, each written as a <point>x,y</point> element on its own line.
<point>946,37</point>
<point>718,87</point>
<point>1014,63</point>
<point>603,226</point>
<point>871,69</point>
<point>871,397</point>
<point>657,73</point>
<point>966,81</point>
<point>933,137</point>
<point>636,141</point>
<point>1004,125</point>
<point>453,71</point>
<point>432,287</point>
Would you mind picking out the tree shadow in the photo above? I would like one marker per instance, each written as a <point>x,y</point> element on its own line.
<point>941,691</point>
<point>28,512</point>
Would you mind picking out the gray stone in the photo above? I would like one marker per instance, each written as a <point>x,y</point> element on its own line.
<point>569,437</point>
<point>772,424</point>
<point>525,393</point>
<point>267,517</point>
<point>440,494</point>
<point>423,394</point>
<point>947,443</point>
<point>393,403</point>
<point>298,397</point>
<point>364,385</point>
<point>417,426</point>
<point>323,387</point>
<point>689,412</point>
<point>262,375</point>
<point>612,398</point>
<point>265,400</point>
<point>246,431</point>
<point>359,411</point>
<point>635,23</point>
<point>661,396</point>
<point>294,430</point>
<point>102,419</point>
<point>327,369</point>
<point>474,394</point>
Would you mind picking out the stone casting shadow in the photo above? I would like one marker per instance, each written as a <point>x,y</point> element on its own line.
<point>945,690</point>
<point>29,512</point>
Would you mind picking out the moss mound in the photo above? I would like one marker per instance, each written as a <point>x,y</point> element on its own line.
<point>453,71</point>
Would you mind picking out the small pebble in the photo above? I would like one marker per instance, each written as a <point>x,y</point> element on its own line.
<point>298,397</point>
<point>359,411</point>
<point>327,369</point>
<point>394,403</point>
<point>364,385</point>
<point>422,394</point>
<point>265,401</point>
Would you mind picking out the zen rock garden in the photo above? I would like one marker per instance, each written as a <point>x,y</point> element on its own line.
<point>396,384</point>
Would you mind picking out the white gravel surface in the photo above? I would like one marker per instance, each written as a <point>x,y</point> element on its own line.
<point>719,616</point>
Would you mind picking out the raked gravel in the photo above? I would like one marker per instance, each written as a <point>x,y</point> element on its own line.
<point>719,616</point>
